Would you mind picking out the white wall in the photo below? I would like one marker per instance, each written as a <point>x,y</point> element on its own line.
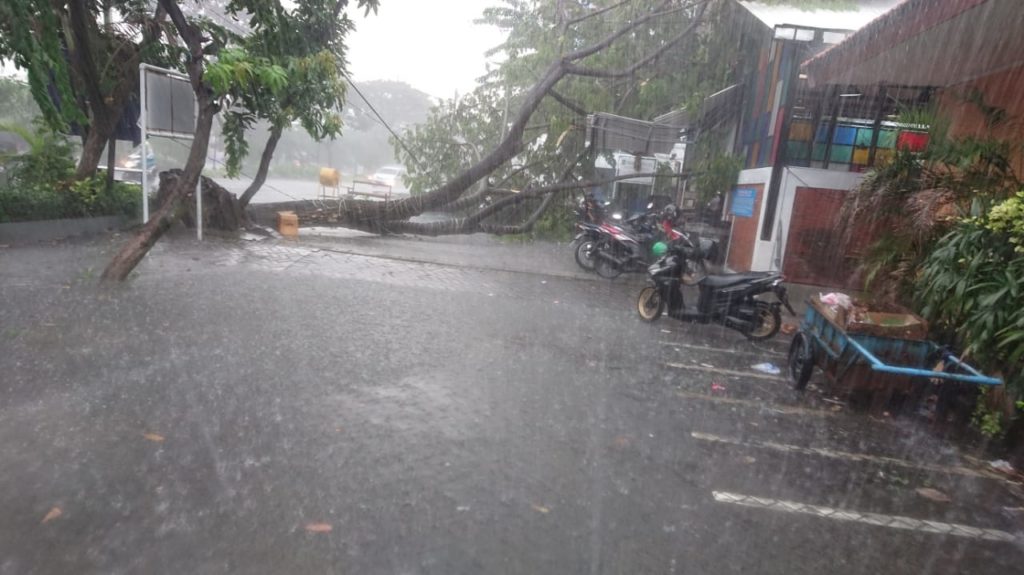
<point>769,255</point>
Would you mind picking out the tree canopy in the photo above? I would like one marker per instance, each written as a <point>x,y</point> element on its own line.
<point>654,69</point>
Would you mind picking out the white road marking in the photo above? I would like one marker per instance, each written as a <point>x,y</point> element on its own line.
<point>721,371</point>
<point>761,405</point>
<point>877,519</point>
<point>757,351</point>
<point>822,452</point>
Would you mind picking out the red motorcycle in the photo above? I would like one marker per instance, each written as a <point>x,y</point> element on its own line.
<point>627,247</point>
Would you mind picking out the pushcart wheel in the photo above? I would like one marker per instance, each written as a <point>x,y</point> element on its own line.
<point>801,360</point>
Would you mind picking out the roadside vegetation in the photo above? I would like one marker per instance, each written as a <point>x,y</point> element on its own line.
<point>950,223</point>
<point>40,183</point>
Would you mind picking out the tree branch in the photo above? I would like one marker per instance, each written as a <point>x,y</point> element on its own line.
<point>558,97</point>
<point>611,38</point>
<point>629,70</point>
<point>524,227</point>
<point>508,146</point>
<point>593,14</point>
<point>261,172</point>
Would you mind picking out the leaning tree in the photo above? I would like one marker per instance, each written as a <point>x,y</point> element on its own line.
<point>656,27</point>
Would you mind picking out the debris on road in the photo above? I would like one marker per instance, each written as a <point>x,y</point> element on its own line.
<point>52,514</point>
<point>769,368</point>
<point>319,527</point>
<point>153,437</point>
<point>933,494</point>
<point>717,387</point>
<point>1002,466</point>
<point>540,508</point>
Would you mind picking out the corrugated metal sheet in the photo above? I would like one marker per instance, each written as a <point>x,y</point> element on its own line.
<point>618,133</point>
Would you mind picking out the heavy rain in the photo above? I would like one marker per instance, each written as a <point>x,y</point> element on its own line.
<point>511,286</point>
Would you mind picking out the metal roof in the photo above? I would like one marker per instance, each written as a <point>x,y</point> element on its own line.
<point>936,43</point>
<point>618,133</point>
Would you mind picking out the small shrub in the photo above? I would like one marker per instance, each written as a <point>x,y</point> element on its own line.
<point>38,185</point>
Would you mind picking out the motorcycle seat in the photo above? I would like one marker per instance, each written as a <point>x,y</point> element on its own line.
<point>733,279</point>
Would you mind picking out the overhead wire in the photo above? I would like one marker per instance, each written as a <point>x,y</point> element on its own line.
<point>398,138</point>
<point>266,185</point>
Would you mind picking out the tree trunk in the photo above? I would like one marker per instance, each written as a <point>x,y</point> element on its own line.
<point>92,151</point>
<point>261,173</point>
<point>132,252</point>
<point>112,157</point>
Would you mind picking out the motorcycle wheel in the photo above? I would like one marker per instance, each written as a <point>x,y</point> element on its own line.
<point>585,254</point>
<point>603,266</point>
<point>766,322</point>
<point>650,304</point>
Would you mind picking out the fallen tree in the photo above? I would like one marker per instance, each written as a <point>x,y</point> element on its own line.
<point>394,216</point>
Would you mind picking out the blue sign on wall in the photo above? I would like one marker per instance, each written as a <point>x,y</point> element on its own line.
<point>742,204</point>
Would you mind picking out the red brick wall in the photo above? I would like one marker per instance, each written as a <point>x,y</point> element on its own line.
<point>813,239</point>
<point>744,235</point>
<point>1003,90</point>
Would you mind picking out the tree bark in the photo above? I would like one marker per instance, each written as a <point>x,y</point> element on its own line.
<point>112,158</point>
<point>221,209</point>
<point>261,173</point>
<point>138,246</point>
<point>92,151</point>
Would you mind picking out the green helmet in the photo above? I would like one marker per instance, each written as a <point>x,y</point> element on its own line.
<point>659,249</point>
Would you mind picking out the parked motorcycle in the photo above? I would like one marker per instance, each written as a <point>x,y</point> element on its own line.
<point>728,299</point>
<point>625,247</point>
<point>589,215</point>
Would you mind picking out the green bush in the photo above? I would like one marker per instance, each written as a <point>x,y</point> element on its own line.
<point>556,225</point>
<point>970,287</point>
<point>38,185</point>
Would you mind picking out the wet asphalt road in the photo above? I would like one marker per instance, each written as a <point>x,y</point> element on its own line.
<point>220,411</point>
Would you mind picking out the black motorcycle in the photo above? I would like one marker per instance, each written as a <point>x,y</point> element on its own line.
<point>589,215</point>
<point>726,299</point>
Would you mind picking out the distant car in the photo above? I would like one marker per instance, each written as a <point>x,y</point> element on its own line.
<point>390,176</point>
<point>129,169</point>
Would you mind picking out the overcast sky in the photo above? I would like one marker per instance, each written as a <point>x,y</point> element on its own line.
<point>432,45</point>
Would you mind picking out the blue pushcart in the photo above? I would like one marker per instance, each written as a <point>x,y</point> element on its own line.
<point>843,355</point>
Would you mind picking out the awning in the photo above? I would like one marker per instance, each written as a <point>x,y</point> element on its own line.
<point>935,43</point>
